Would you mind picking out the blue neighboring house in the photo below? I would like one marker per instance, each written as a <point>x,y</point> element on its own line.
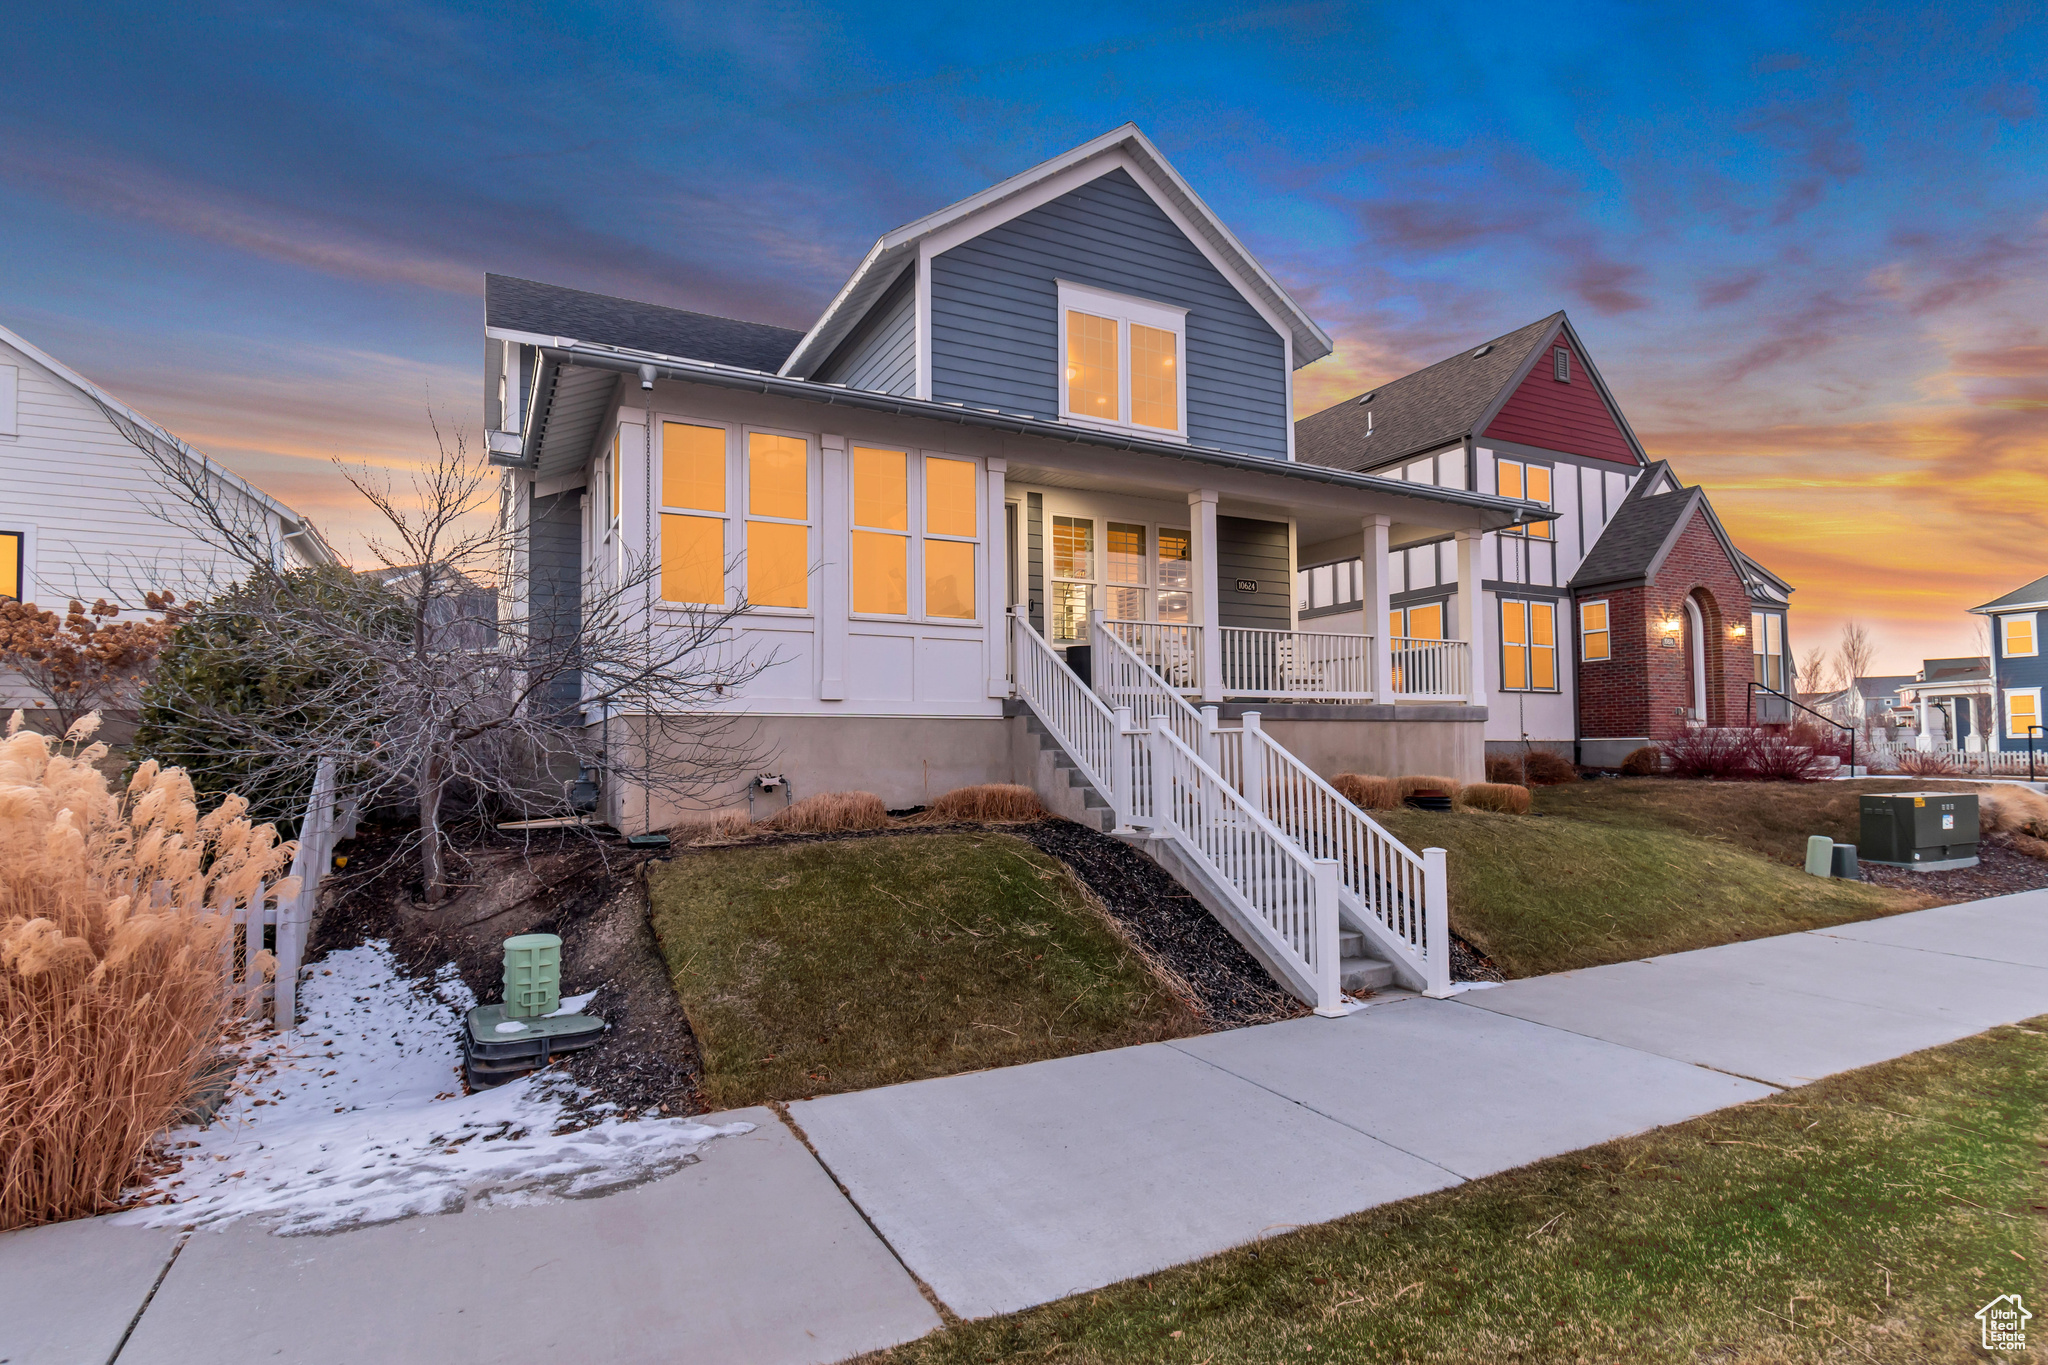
<point>2019,669</point>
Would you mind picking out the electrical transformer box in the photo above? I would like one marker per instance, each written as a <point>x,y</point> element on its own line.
<point>1924,831</point>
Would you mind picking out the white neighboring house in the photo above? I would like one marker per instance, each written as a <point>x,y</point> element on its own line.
<point>86,514</point>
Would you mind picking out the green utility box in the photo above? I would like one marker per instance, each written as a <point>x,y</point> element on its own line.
<point>1924,831</point>
<point>533,975</point>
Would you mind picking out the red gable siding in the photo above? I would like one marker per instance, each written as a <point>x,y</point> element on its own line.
<point>1567,417</point>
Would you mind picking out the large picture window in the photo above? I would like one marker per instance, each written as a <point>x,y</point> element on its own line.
<point>1528,645</point>
<point>1531,483</point>
<point>885,544</point>
<point>692,532</point>
<point>1122,361</point>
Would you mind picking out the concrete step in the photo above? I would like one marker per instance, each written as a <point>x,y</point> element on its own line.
<point>1351,943</point>
<point>1365,974</point>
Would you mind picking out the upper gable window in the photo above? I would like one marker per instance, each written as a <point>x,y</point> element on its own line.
<point>1123,362</point>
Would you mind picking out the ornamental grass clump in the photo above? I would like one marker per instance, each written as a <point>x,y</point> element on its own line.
<point>1367,791</point>
<point>830,813</point>
<point>989,803</point>
<point>114,985</point>
<point>1507,798</point>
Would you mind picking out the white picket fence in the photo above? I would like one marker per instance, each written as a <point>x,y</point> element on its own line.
<point>1888,756</point>
<point>326,822</point>
<point>1246,812</point>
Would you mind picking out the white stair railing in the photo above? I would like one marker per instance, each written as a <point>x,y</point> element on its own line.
<point>1077,718</point>
<point>1394,894</point>
<point>1282,893</point>
<point>1125,680</point>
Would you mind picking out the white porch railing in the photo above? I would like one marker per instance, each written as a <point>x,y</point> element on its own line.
<point>1171,649</point>
<point>1431,670</point>
<point>1296,663</point>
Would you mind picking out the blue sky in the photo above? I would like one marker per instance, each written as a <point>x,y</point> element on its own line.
<point>1806,244</point>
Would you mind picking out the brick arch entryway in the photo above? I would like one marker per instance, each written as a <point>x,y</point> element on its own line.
<point>1706,637</point>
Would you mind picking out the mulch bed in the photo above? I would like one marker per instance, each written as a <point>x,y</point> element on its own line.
<point>2000,871</point>
<point>1230,987</point>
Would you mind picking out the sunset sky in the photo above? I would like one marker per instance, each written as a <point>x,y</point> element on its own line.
<point>1808,246</point>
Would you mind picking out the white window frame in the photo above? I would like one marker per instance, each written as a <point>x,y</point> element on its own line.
<point>1125,310</point>
<point>2033,620</point>
<point>2012,692</point>
<point>1502,603</point>
<point>917,534</point>
<point>1607,628</point>
<point>741,488</point>
<point>735,468</point>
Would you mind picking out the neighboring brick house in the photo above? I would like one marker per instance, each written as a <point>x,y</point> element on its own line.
<point>1673,622</point>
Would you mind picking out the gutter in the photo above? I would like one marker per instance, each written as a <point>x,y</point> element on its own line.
<point>650,366</point>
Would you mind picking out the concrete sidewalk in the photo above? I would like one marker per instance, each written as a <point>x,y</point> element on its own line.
<point>1009,1188</point>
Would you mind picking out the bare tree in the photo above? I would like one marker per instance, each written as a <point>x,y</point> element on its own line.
<point>432,692</point>
<point>1854,654</point>
<point>1816,671</point>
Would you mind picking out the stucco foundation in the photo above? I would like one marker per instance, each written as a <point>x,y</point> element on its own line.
<point>1395,741</point>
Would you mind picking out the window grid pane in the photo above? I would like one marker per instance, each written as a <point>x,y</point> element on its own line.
<point>1538,481</point>
<point>1543,645</point>
<point>2022,710</point>
<point>881,488</point>
<point>949,498</point>
<point>1510,479</point>
<point>949,579</point>
<point>1067,607</point>
<point>1091,366</point>
<point>693,467</point>
<point>1598,643</point>
<point>881,573</point>
<point>778,564</point>
<point>1126,554</point>
<point>1426,623</point>
<point>1073,547</point>
<point>778,483</point>
<point>1176,563</point>
<point>1155,383</point>
<point>692,559</point>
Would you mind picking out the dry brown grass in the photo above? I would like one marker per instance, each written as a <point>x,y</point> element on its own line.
<point>1408,786</point>
<point>110,1002</point>
<point>1546,769</point>
<point>1646,761</point>
<point>989,803</point>
<point>1500,769</point>
<point>830,813</point>
<point>710,827</point>
<point>1505,797</point>
<point>1366,791</point>
<point>2012,810</point>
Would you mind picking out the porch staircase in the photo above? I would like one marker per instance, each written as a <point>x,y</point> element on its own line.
<point>1062,784</point>
<point>1322,895</point>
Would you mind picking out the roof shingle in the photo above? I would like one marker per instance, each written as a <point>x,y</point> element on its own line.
<point>551,310</point>
<point>1422,411</point>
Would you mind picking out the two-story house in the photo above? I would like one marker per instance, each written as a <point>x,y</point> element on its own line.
<point>1062,406</point>
<point>1622,619</point>
<point>2019,671</point>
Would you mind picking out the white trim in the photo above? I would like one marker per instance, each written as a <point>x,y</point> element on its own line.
<point>2012,692</point>
<point>10,400</point>
<point>27,529</point>
<point>1697,619</point>
<point>2033,620</point>
<point>924,323</point>
<point>1607,629</point>
<point>1124,310</point>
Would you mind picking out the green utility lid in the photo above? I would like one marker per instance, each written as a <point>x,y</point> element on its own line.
<point>533,975</point>
<point>493,1033</point>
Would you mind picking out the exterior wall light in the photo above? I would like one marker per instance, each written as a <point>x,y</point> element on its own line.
<point>1738,631</point>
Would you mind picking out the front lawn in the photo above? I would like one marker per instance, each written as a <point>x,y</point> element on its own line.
<point>1866,1217</point>
<point>808,968</point>
<point>1542,894</point>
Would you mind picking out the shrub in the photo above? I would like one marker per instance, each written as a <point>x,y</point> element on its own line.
<point>1547,769</point>
<point>831,813</point>
<point>1646,761</point>
<point>2012,810</point>
<point>1408,786</point>
<point>1777,755</point>
<point>1504,770</point>
<point>1500,796</point>
<point>1913,763</point>
<point>1825,740</point>
<point>112,994</point>
<point>991,801</point>
<point>1706,751</point>
<point>1366,791</point>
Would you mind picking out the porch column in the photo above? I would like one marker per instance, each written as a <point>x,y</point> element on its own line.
<point>1472,613</point>
<point>1924,741</point>
<point>1378,605</point>
<point>1208,600</point>
<point>995,591</point>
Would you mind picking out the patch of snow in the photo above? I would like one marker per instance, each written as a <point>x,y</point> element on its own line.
<point>511,1026</point>
<point>359,1118</point>
<point>574,1004</point>
<point>1459,987</point>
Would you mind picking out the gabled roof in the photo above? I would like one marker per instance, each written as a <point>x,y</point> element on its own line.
<point>893,251</point>
<point>1873,688</point>
<point>1423,411</point>
<point>1958,670</point>
<point>1640,533</point>
<point>312,545</point>
<point>547,311</point>
<point>2034,594</point>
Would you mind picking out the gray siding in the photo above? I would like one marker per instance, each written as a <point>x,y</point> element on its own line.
<point>881,353</point>
<point>1254,550</point>
<point>1035,560</point>
<point>555,568</point>
<point>995,314</point>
